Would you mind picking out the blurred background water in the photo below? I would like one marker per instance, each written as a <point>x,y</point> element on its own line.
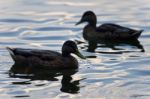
<point>45,24</point>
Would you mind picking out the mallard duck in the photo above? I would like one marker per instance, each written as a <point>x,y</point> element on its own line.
<point>46,58</point>
<point>107,31</point>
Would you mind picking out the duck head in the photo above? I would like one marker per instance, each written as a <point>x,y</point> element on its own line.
<point>89,17</point>
<point>71,47</point>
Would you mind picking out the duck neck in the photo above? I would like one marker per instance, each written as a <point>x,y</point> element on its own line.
<point>92,22</point>
<point>65,54</point>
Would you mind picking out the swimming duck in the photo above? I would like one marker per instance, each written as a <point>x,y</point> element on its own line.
<point>107,31</point>
<point>47,59</point>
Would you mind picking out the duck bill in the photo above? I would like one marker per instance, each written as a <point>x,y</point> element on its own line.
<point>79,54</point>
<point>78,22</point>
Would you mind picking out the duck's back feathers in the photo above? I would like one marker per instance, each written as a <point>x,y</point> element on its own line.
<point>34,56</point>
<point>32,52</point>
<point>113,31</point>
<point>41,58</point>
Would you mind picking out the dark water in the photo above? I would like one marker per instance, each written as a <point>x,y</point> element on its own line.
<point>118,72</point>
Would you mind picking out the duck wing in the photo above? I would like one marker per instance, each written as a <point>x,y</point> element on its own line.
<point>117,31</point>
<point>27,53</point>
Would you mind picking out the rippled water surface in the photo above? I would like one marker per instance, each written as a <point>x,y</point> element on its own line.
<point>121,72</point>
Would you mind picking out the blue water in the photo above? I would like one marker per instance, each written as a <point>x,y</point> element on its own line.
<point>121,72</point>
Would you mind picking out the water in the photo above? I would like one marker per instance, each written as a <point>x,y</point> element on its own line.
<point>120,73</point>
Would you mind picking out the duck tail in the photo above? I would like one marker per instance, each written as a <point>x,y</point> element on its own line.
<point>137,34</point>
<point>11,51</point>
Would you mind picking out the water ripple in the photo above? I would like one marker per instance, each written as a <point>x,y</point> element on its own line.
<point>119,71</point>
<point>24,21</point>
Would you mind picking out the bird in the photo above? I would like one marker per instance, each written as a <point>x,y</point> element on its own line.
<point>47,59</point>
<point>106,31</point>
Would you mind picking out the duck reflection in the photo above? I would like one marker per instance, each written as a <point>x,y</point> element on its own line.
<point>26,72</point>
<point>112,44</point>
<point>68,85</point>
<point>93,44</point>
